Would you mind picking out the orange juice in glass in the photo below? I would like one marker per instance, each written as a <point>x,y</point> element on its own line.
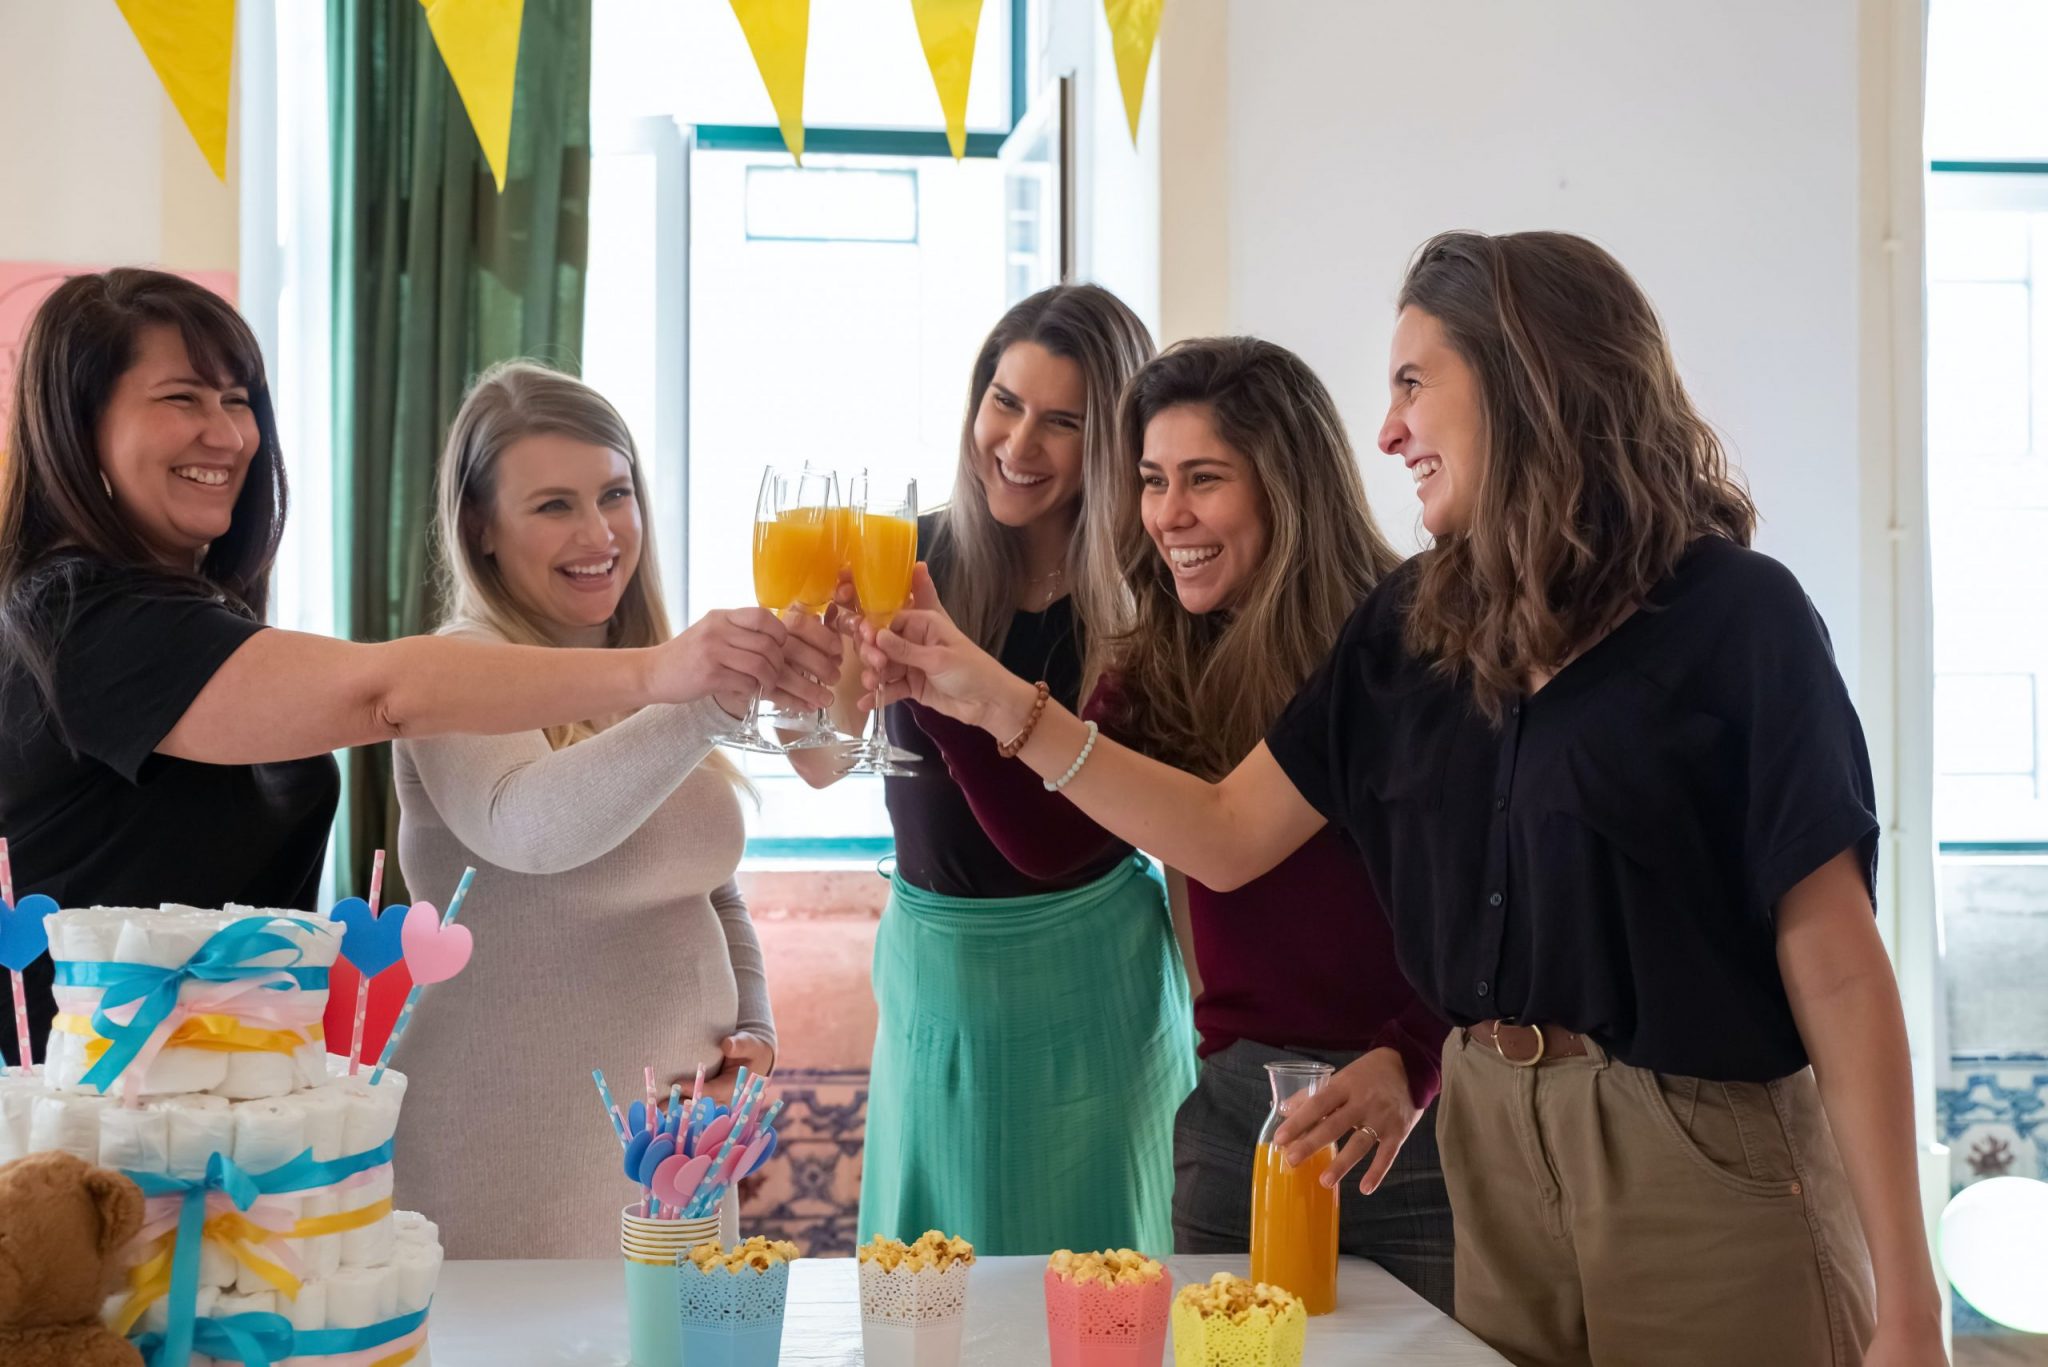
<point>786,550</point>
<point>883,555</point>
<point>882,565</point>
<point>1294,1216</point>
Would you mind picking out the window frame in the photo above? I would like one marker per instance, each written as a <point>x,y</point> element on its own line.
<point>1949,180</point>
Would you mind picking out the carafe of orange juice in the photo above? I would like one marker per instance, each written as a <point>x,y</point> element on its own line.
<point>1294,1216</point>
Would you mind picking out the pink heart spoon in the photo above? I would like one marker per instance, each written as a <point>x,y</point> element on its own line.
<point>714,1134</point>
<point>677,1179</point>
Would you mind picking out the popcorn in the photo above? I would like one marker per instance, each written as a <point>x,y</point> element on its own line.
<point>1237,1300</point>
<point>1113,1267</point>
<point>932,1252</point>
<point>757,1253</point>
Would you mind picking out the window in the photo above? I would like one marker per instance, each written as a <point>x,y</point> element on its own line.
<point>742,311</point>
<point>1987,419</point>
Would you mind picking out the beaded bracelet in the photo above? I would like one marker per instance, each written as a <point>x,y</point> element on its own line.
<point>1054,786</point>
<point>1009,748</point>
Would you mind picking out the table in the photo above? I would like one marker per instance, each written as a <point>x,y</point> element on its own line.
<point>571,1314</point>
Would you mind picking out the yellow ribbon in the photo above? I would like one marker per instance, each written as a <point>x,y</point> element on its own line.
<point>399,1358</point>
<point>150,1280</point>
<point>341,1223</point>
<point>226,1034</point>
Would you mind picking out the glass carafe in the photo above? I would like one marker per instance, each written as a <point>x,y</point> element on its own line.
<point>1294,1216</point>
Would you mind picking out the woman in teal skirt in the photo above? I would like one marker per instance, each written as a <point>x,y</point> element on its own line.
<point>1035,1036</point>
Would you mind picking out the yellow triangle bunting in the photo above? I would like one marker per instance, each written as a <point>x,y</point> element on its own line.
<point>947,29</point>
<point>191,43</point>
<point>778,31</point>
<point>1133,27</point>
<point>479,42</point>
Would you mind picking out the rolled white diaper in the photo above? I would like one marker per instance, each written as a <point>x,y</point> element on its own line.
<point>250,1075</point>
<point>269,1133</point>
<point>415,1228</point>
<point>371,1245</point>
<point>17,1108</point>
<point>321,1256</point>
<point>68,1122</point>
<point>135,1139</point>
<point>238,1302</point>
<point>417,1268</point>
<point>326,1111</point>
<point>358,1297</point>
<point>309,1311</point>
<point>200,1126</point>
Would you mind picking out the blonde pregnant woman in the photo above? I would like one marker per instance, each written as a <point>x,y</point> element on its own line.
<point>610,932</point>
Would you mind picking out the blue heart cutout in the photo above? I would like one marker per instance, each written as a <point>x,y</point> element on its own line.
<point>23,937</point>
<point>369,942</point>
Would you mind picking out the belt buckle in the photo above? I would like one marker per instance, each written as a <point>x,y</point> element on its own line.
<point>1520,1062</point>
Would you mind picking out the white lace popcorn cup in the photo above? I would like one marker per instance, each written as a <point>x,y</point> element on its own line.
<point>912,1318</point>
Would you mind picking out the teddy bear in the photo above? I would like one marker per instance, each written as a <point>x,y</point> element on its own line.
<point>63,1224</point>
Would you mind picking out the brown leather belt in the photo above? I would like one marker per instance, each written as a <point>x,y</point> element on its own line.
<point>1525,1046</point>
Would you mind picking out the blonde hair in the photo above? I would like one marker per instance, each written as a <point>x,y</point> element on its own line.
<point>984,560</point>
<point>507,402</point>
<point>1200,689</point>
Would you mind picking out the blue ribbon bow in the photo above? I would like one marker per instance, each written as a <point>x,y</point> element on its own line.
<point>224,958</point>
<point>255,1340</point>
<point>222,1175</point>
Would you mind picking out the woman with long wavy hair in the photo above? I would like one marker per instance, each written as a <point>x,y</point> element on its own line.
<point>1244,541</point>
<point>606,847</point>
<point>995,1111</point>
<point>1610,786</point>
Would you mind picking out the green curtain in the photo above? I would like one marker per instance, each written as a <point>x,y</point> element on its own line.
<point>436,275</point>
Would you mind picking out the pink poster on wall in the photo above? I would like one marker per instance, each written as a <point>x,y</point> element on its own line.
<point>23,287</point>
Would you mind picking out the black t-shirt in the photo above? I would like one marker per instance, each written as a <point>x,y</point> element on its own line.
<point>93,815</point>
<point>1611,859</point>
<point>940,846</point>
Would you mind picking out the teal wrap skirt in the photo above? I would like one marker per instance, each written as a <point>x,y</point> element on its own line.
<point>1030,1055</point>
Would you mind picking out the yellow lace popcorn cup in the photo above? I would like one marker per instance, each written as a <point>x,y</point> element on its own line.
<point>1229,1322</point>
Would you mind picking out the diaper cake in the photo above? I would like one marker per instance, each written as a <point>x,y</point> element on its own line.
<point>188,1053</point>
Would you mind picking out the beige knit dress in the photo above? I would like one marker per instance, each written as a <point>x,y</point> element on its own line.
<point>609,934</point>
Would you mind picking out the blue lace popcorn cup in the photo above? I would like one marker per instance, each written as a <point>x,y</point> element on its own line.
<point>731,1317</point>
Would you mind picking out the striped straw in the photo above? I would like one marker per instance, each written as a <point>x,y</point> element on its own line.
<point>412,998</point>
<point>28,1063</point>
<point>355,1048</point>
<point>611,1108</point>
<point>707,1194</point>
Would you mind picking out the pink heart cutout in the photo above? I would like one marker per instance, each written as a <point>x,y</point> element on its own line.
<point>434,953</point>
<point>675,1181</point>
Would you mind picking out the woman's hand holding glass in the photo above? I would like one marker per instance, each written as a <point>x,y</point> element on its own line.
<point>730,656</point>
<point>923,655</point>
<point>1368,1097</point>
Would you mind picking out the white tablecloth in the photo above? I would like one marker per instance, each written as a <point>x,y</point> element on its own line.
<point>571,1314</point>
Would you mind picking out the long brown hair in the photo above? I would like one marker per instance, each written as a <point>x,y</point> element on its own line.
<point>1598,471</point>
<point>1201,689</point>
<point>984,560</point>
<point>54,503</point>
<point>509,401</point>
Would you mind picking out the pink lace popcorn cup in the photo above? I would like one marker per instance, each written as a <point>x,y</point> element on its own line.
<point>913,1301</point>
<point>1230,1322</point>
<point>1106,1309</point>
<point>732,1303</point>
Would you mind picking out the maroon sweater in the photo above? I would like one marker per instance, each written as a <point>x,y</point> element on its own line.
<point>1300,957</point>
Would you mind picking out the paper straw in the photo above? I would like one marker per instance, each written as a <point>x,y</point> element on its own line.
<point>698,1205</point>
<point>355,1048</point>
<point>28,1063</point>
<point>766,1122</point>
<point>412,998</point>
<point>675,1107</point>
<point>611,1109</point>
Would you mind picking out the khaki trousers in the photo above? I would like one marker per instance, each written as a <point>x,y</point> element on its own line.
<point>1612,1216</point>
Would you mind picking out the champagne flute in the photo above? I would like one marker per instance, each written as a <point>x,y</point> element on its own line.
<point>783,550</point>
<point>884,557</point>
<point>820,537</point>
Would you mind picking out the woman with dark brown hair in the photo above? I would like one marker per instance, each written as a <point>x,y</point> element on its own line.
<point>157,744</point>
<point>1610,786</point>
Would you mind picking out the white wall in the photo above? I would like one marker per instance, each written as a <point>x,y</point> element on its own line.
<point>96,168</point>
<point>1713,148</point>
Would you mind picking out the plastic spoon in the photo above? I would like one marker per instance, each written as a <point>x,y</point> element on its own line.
<point>676,1180</point>
<point>758,1153</point>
